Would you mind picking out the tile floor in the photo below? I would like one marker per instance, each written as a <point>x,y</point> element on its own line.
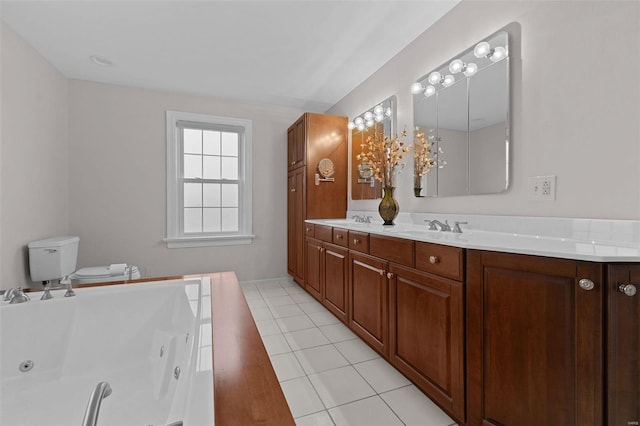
<point>328,375</point>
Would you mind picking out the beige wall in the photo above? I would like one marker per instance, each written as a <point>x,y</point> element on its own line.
<point>117,183</point>
<point>33,172</point>
<point>575,104</point>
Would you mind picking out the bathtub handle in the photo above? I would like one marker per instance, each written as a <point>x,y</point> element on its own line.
<point>101,391</point>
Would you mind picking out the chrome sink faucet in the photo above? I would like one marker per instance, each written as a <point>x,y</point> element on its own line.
<point>443,226</point>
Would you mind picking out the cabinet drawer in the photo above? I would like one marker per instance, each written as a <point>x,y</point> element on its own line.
<point>396,250</point>
<point>359,241</point>
<point>341,237</point>
<point>442,260</point>
<point>323,233</point>
<point>309,229</point>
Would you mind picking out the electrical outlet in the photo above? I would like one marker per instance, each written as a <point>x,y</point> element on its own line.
<point>542,188</point>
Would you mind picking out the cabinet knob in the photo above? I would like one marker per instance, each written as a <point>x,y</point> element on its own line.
<point>293,163</point>
<point>434,259</point>
<point>292,190</point>
<point>586,284</point>
<point>319,248</point>
<point>390,275</point>
<point>338,236</point>
<point>308,229</point>
<point>381,272</point>
<point>356,241</point>
<point>628,289</point>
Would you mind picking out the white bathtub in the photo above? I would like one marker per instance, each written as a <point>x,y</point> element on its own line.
<point>115,334</point>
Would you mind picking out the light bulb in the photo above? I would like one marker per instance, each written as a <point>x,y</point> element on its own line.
<point>456,66</point>
<point>482,49</point>
<point>448,80</point>
<point>429,91</point>
<point>378,110</point>
<point>498,54</point>
<point>368,116</point>
<point>387,112</point>
<point>351,125</point>
<point>369,122</point>
<point>378,117</point>
<point>358,121</point>
<point>416,88</point>
<point>434,77</point>
<point>360,126</point>
<point>470,69</point>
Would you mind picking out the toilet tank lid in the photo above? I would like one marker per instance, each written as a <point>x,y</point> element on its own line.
<point>53,242</point>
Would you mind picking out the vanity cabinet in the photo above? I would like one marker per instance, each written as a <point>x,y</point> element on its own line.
<point>327,275</point>
<point>369,300</point>
<point>310,139</point>
<point>623,345</point>
<point>534,340</point>
<point>426,329</point>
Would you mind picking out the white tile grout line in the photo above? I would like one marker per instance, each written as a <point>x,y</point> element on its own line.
<point>294,285</point>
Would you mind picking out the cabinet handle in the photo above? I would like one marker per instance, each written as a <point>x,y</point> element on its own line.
<point>628,289</point>
<point>338,236</point>
<point>293,163</point>
<point>390,275</point>
<point>434,259</point>
<point>586,284</point>
<point>381,272</point>
<point>308,229</point>
<point>292,190</point>
<point>356,241</point>
<point>319,248</point>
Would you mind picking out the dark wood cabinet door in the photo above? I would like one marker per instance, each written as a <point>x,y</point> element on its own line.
<point>313,265</point>
<point>534,341</point>
<point>291,147</point>
<point>426,335</point>
<point>368,288</point>
<point>335,280</point>
<point>623,346</point>
<point>300,141</point>
<point>295,225</point>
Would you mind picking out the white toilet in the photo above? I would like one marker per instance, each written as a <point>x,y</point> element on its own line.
<point>55,258</point>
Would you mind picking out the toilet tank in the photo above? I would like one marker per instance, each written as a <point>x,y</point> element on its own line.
<point>52,258</point>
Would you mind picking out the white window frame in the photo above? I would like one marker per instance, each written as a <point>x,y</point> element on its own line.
<point>177,239</point>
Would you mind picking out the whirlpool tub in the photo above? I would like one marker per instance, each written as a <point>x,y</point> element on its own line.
<point>150,341</point>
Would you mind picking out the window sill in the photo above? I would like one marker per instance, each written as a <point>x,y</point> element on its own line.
<point>208,241</point>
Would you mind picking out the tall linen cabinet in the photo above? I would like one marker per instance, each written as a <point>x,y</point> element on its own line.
<point>315,189</point>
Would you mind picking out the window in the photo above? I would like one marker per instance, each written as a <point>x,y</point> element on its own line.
<point>208,180</point>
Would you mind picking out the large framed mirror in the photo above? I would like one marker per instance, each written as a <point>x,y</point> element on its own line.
<point>461,112</point>
<point>380,119</point>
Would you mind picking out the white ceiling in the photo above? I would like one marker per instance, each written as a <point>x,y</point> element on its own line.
<point>304,54</point>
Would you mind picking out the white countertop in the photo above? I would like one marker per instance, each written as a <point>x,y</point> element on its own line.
<point>606,249</point>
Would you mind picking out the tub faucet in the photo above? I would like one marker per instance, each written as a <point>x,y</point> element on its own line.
<point>361,219</point>
<point>66,281</point>
<point>16,295</point>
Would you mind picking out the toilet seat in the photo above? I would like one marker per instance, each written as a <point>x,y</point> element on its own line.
<point>99,274</point>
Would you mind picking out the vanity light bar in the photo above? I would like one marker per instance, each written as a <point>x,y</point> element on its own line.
<point>481,50</point>
<point>370,117</point>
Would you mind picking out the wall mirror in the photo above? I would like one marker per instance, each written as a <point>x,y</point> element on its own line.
<point>377,119</point>
<point>462,110</point>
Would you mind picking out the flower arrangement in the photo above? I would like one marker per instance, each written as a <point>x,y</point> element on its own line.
<point>423,160</point>
<point>385,154</point>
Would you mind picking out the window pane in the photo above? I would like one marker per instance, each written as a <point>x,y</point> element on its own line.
<point>229,220</point>
<point>211,220</point>
<point>211,142</point>
<point>230,168</point>
<point>212,195</point>
<point>192,166</point>
<point>229,195</point>
<point>192,195</point>
<point>192,220</point>
<point>211,167</point>
<point>230,144</point>
<point>192,141</point>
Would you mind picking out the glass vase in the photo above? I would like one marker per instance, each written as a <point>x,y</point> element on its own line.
<point>388,207</point>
